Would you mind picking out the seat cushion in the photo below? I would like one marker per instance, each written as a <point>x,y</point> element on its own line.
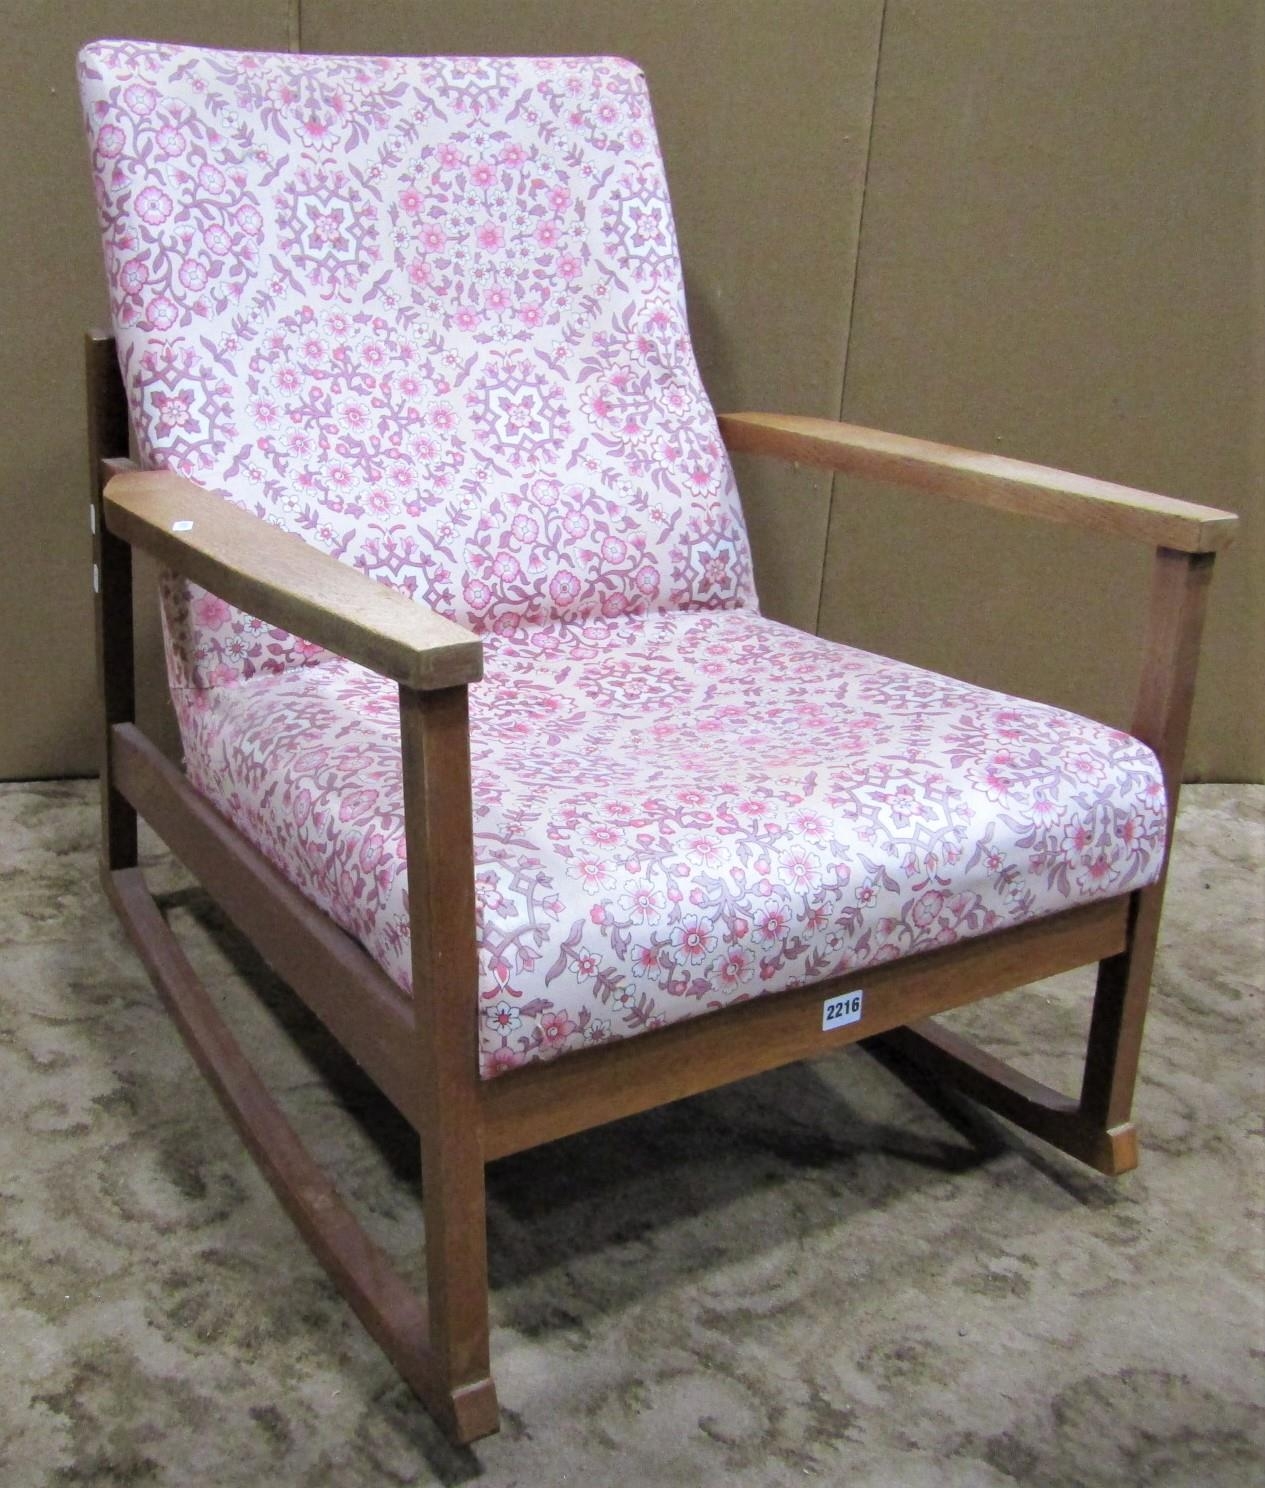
<point>679,812</point>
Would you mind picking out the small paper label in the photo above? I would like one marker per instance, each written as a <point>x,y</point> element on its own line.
<point>845,1008</point>
<point>182,526</point>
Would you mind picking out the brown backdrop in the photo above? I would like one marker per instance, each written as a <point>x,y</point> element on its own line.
<point>1018,226</point>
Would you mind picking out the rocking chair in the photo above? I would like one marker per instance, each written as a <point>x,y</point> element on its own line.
<point>488,748</point>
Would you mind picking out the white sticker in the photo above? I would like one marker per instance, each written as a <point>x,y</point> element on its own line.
<point>92,519</point>
<point>96,579</point>
<point>182,526</point>
<point>845,1008</point>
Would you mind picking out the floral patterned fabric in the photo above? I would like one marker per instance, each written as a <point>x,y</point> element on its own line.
<point>679,812</point>
<point>427,313</point>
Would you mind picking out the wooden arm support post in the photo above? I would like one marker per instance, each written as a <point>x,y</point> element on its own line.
<point>1161,718</point>
<point>439,832</point>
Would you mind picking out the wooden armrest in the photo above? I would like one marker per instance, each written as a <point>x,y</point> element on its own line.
<point>988,480</point>
<point>287,582</point>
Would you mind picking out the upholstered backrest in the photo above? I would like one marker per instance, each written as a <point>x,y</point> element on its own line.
<point>428,313</point>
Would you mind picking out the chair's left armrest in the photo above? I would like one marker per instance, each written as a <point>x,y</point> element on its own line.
<point>987,480</point>
<point>282,579</point>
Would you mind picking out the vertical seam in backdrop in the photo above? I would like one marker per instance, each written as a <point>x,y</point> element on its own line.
<point>852,305</point>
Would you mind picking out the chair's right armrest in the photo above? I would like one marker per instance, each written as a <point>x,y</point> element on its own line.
<point>288,583</point>
<point>987,480</point>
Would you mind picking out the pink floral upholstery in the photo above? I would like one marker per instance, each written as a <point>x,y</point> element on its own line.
<point>676,813</point>
<point>429,315</point>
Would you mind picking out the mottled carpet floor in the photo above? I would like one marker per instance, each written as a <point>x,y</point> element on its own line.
<point>818,1275</point>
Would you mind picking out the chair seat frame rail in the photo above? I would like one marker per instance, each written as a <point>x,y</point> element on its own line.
<point>423,1053</point>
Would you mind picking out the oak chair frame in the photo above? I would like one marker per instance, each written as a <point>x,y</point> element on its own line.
<point>423,1054</point>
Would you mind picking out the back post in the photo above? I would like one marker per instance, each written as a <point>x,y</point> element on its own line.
<point>112,591</point>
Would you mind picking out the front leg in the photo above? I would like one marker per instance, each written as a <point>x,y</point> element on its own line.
<point>434,735</point>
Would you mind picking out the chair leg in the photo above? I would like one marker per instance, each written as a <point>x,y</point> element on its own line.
<point>113,576</point>
<point>112,590</point>
<point>457,1278</point>
<point>1115,1030</point>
